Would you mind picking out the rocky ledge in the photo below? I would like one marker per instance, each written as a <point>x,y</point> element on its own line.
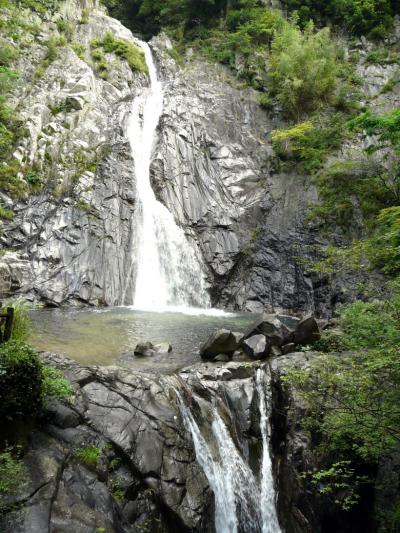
<point>144,475</point>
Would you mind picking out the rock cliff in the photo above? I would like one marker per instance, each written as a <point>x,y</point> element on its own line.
<point>213,168</point>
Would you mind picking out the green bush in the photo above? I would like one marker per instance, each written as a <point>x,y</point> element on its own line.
<point>304,68</point>
<point>88,455</point>
<point>20,380</point>
<point>22,325</point>
<point>125,49</point>
<point>11,473</point>
<point>7,53</point>
<point>360,17</point>
<point>6,214</point>
<point>308,144</point>
<point>383,247</point>
<point>55,385</point>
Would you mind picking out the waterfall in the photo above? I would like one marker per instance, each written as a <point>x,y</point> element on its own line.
<point>168,271</point>
<point>270,522</point>
<point>243,503</point>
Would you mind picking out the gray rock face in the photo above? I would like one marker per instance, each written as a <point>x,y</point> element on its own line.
<point>146,472</point>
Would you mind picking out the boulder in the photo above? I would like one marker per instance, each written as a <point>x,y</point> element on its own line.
<point>143,349</point>
<point>307,331</point>
<point>221,341</point>
<point>222,358</point>
<point>256,346</point>
<point>288,348</point>
<point>270,326</point>
<point>162,347</point>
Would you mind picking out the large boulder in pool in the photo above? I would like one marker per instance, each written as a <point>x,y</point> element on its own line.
<point>220,342</point>
<point>143,349</point>
<point>257,346</point>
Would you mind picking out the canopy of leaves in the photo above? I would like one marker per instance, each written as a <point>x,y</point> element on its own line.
<point>360,17</point>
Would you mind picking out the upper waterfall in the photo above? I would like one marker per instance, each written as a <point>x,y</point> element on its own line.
<point>168,271</point>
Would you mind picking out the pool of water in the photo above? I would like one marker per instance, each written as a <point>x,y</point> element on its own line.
<point>109,336</point>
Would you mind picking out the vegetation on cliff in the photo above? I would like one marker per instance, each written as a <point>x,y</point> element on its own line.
<point>352,396</point>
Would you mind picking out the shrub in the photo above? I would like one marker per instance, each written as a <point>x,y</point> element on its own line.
<point>304,68</point>
<point>362,17</point>
<point>266,102</point>
<point>383,247</point>
<point>6,214</point>
<point>7,53</point>
<point>309,143</point>
<point>20,380</point>
<point>11,473</point>
<point>88,455</point>
<point>55,385</point>
<point>125,49</point>
<point>22,325</point>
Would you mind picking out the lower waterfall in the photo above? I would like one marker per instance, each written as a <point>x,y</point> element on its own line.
<point>168,271</point>
<point>244,503</point>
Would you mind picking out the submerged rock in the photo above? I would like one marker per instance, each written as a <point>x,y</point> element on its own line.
<point>145,349</point>
<point>163,347</point>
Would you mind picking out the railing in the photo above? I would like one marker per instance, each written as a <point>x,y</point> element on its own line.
<point>6,324</point>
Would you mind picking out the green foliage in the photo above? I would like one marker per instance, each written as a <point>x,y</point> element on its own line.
<point>339,482</point>
<point>88,455</point>
<point>360,17</point>
<point>85,16</point>
<point>304,68</point>
<point>383,247</point>
<point>122,48</point>
<point>79,50</point>
<point>330,341</point>
<point>55,385</point>
<point>266,102</point>
<point>11,473</point>
<point>6,214</point>
<point>22,325</point>
<point>353,399</point>
<point>309,143</point>
<point>53,46</point>
<point>66,27</point>
<point>20,380</point>
<point>386,127</point>
<point>40,6</point>
<point>8,53</point>
<point>370,324</point>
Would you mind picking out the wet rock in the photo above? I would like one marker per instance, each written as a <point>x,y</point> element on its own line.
<point>257,346</point>
<point>162,347</point>
<point>144,349</point>
<point>270,326</point>
<point>61,415</point>
<point>221,341</point>
<point>288,348</point>
<point>307,331</point>
<point>222,358</point>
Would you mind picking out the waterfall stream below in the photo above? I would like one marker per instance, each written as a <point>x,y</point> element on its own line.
<point>168,268</point>
<point>244,501</point>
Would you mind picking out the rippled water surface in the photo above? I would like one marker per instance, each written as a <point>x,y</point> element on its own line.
<point>106,337</point>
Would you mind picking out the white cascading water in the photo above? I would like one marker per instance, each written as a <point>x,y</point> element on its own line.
<point>168,273</point>
<point>242,503</point>
<point>269,517</point>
